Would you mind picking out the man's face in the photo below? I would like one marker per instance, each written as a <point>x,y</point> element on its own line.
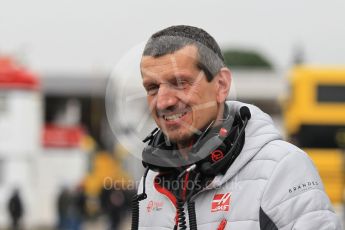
<point>181,100</point>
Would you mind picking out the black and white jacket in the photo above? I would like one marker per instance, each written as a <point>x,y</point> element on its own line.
<point>271,185</point>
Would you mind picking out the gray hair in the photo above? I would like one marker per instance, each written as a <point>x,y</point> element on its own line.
<point>167,41</point>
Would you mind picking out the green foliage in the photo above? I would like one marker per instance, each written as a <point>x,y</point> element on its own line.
<point>245,59</point>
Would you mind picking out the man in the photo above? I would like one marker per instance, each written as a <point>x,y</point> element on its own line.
<point>214,164</point>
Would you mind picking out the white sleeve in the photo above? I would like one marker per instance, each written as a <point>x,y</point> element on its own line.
<point>294,197</point>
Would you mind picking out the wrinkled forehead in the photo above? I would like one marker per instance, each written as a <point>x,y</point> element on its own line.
<point>182,59</point>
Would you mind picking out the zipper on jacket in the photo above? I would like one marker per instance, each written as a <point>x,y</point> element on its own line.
<point>222,225</point>
<point>172,197</point>
<point>184,188</point>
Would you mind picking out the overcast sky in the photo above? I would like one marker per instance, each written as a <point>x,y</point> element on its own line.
<point>81,35</point>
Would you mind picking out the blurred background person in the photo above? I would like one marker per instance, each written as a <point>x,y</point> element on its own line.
<point>113,203</point>
<point>15,209</point>
<point>80,202</point>
<point>62,204</point>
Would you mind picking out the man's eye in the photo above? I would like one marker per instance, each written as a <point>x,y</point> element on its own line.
<point>151,90</point>
<point>182,84</point>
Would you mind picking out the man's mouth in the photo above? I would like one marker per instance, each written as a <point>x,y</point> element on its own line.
<point>174,117</point>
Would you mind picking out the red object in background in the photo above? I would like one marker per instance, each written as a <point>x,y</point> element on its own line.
<point>62,137</point>
<point>13,76</point>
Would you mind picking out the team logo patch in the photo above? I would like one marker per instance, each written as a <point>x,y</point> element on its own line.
<point>154,206</point>
<point>221,202</point>
<point>217,155</point>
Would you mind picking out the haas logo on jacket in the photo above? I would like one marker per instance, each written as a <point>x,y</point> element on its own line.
<point>154,206</point>
<point>221,202</point>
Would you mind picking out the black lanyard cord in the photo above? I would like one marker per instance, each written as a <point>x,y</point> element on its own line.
<point>135,203</point>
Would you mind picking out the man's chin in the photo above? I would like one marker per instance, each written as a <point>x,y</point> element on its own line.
<point>179,138</point>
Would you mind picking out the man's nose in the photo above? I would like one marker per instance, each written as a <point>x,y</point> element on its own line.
<point>166,97</point>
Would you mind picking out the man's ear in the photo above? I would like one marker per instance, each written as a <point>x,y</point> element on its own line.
<point>223,81</point>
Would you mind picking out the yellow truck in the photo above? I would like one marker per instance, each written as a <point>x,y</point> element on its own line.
<point>314,119</point>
